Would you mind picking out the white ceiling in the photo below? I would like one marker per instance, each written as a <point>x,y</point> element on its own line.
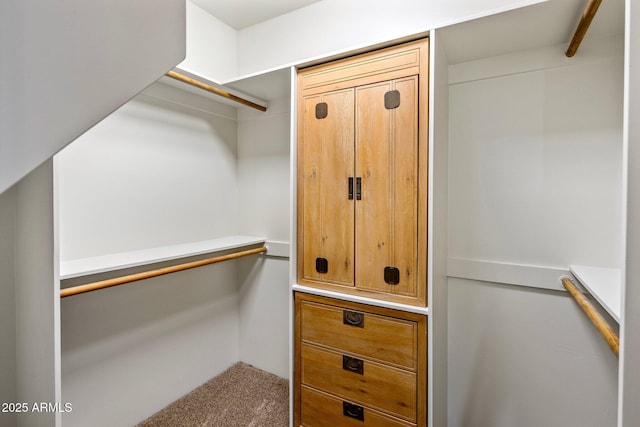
<point>240,14</point>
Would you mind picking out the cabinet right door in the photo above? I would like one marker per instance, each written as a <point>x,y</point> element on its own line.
<point>386,159</point>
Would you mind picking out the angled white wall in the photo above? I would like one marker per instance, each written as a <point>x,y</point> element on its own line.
<point>211,46</point>
<point>65,66</point>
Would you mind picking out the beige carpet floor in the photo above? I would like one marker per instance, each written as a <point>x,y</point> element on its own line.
<point>242,396</point>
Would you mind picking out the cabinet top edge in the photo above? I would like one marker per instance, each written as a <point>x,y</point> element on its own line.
<point>407,56</point>
<point>362,300</point>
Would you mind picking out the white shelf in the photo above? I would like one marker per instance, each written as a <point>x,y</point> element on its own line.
<point>122,260</point>
<point>604,284</point>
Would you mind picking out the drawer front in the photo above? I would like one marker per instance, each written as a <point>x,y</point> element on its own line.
<point>362,381</point>
<point>381,338</point>
<point>322,410</point>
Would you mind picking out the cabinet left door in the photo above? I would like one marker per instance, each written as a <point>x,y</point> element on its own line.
<point>326,189</point>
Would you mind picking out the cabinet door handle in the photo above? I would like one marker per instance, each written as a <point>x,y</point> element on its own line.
<point>353,318</point>
<point>352,364</point>
<point>352,411</point>
<point>391,275</point>
<point>358,188</point>
<point>322,265</point>
<point>350,188</point>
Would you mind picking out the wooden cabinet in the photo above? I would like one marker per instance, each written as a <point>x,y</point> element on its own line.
<point>358,364</point>
<point>362,230</point>
<point>362,174</point>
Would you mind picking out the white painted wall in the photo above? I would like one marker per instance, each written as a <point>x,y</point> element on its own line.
<point>29,315</point>
<point>526,358</point>
<point>264,194</point>
<point>37,342</point>
<point>154,173</point>
<point>264,314</point>
<point>630,352</point>
<point>438,229</point>
<point>535,168</point>
<point>263,171</point>
<point>75,59</point>
<point>8,378</point>
<point>333,26</point>
<point>534,178</point>
<point>175,163</point>
<point>212,46</point>
<point>129,351</point>
<point>161,170</point>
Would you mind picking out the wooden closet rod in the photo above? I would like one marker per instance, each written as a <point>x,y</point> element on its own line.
<point>117,281</point>
<point>215,90</point>
<point>601,325</point>
<point>589,12</point>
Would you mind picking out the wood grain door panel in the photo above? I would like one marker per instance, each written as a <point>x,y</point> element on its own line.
<point>327,215</point>
<point>386,143</point>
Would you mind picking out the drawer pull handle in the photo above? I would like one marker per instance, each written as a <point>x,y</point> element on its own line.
<point>353,318</point>
<point>353,411</point>
<point>352,364</point>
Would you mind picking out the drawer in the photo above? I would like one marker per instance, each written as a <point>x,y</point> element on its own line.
<point>362,381</point>
<point>381,338</point>
<point>323,410</point>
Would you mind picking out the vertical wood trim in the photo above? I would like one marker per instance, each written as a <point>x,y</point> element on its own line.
<point>299,186</point>
<point>423,372</point>
<point>423,172</point>
<point>297,377</point>
<point>406,180</point>
<point>374,164</point>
